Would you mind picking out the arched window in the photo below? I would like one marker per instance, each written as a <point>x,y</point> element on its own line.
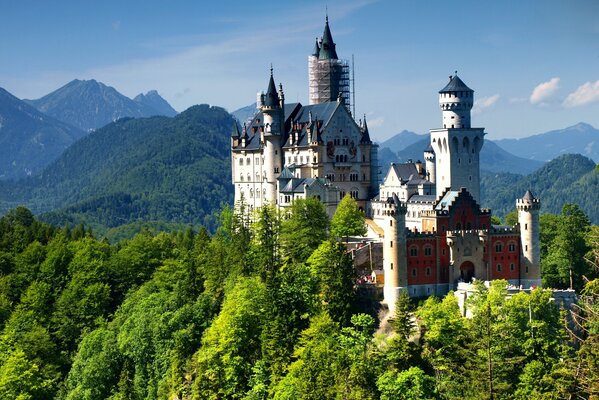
<point>241,161</point>
<point>241,177</point>
<point>413,251</point>
<point>498,247</point>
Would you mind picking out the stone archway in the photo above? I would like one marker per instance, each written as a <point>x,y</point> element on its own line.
<point>467,271</point>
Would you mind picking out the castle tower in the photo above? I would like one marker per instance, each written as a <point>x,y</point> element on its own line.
<point>271,106</point>
<point>395,259</point>
<point>328,76</point>
<point>528,218</point>
<point>429,158</point>
<point>457,145</point>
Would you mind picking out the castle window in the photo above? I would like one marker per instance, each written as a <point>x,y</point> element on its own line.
<point>249,161</point>
<point>511,247</point>
<point>391,243</point>
<point>525,227</point>
<point>512,267</point>
<point>525,247</point>
<point>527,269</point>
<point>241,161</point>
<point>459,161</point>
<point>498,267</point>
<point>498,247</point>
<point>414,272</point>
<point>443,251</point>
<point>276,170</point>
<point>251,193</point>
<point>470,178</point>
<point>414,251</point>
<point>363,158</point>
<point>241,178</point>
<point>428,251</point>
<point>428,271</point>
<point>391,265</point>
<point>390,222</point>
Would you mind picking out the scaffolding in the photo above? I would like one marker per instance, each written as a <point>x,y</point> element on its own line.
<point>329,79</point>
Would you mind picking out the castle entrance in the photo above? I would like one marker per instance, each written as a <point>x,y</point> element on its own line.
<point>467,271</point>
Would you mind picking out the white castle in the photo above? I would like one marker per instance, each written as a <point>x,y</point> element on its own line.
<point>428,217</point>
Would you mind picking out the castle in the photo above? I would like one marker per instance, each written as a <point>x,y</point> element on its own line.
<point>428,217</point>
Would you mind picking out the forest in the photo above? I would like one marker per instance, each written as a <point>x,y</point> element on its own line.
<point>268,308</point>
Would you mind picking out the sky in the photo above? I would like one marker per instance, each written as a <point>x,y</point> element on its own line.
<point>534,65</point>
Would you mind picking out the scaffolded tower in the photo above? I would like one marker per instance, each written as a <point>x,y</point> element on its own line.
<point>328,75</point>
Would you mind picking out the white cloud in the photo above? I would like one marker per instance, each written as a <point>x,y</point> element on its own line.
<point>585,94</point>
<point>376,122</point>
<point>483,103</point>
<point>544,90</point>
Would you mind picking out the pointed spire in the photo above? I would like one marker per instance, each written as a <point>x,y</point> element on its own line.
<point>365,133</point>
<point>316,50</point>
<point>235,132</point>
<point>528,196</point>
<point>327,48</point>
<point>271,98</point>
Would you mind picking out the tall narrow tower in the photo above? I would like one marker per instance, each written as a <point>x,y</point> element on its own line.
<point>328,76</point>
<point>528,219</point>
<point>271,106</point>
<point>457,145</point>
<point>395,258</point>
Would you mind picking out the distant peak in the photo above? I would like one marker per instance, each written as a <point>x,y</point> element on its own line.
<point>582,126</point>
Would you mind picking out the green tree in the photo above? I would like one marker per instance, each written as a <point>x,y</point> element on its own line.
<point>565,259</point>
<point>332,268</point>
<point>348,219</point>
<point>412,384</point>
<point>304,229</point>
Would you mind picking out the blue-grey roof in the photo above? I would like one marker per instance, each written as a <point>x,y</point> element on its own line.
<point>455,85</point>
<point>422,198</point>
<point>271,98</point>
<point>405,171</point>
<point>447,200</point>
<point>528,196</point>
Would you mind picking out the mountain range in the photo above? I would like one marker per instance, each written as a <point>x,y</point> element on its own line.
<point>29,139</point>
<point>89,105</point>
<point>569,178</point>
<point>409,146</point>
<point>155,169</point>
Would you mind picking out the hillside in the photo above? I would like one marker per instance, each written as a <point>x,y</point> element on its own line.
<point>492,158</point>
<point>570,178</point>
<point>29,140</point>
<point>580,139</point>
<point>90,105</point>
<point>245,113</point>
<point>152,169</point>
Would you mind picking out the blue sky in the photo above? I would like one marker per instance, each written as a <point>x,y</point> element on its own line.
<point>534,65</point>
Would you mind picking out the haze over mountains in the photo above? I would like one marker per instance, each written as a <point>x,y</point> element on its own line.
<point>155,169</point>
<point>409,146</point>
<point>581,138</point>
<point>29,139</point>
<point>34,133</point>
<point>88,104</point>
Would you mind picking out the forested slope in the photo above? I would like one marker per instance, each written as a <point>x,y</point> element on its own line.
<point>249,314</point>
<point>173,170</point>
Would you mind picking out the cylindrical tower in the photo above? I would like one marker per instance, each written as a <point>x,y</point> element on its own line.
<point>429,158</point>
<point>530,261</point>
<point>273,122</point>
<point>394,251</point>
<point>456,100</point>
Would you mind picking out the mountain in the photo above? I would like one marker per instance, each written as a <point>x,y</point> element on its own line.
<point>153,100</point>
<point>174,170</point>
<point>581,139</point>
<point>29,140</point>
<point>403,140</point>
<point>492,158</point>
<point>245,113</point>
<point>90,105</point>
<point>570,178</point>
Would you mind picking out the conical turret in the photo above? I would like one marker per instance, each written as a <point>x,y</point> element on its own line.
<point>327,48</point>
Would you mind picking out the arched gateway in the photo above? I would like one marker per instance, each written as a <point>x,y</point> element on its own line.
<point>467,271</point>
